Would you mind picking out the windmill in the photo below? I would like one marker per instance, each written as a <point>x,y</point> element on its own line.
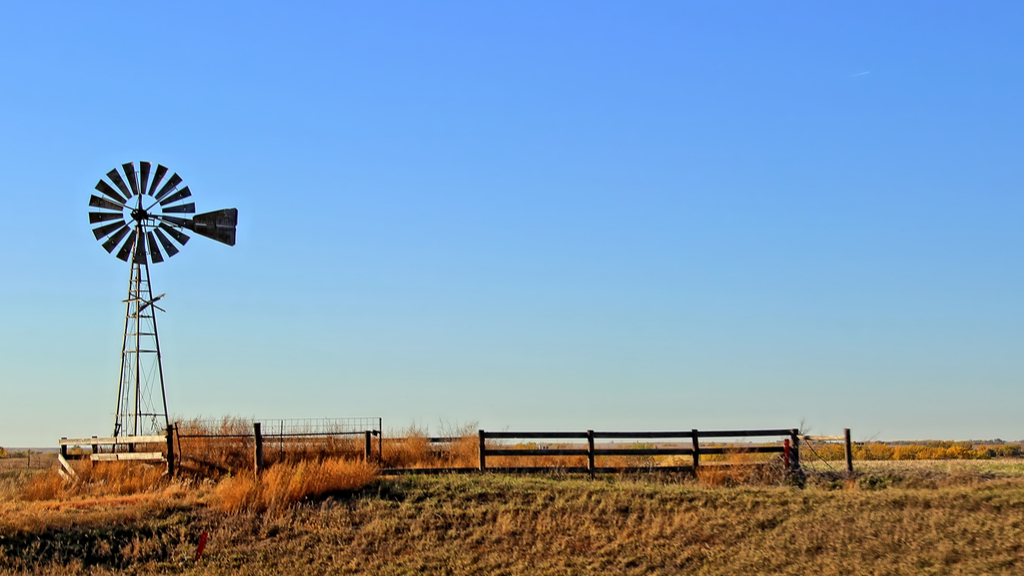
<point>140,214</point>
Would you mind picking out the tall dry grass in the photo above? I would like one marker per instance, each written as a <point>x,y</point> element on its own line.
<point>225,447</point>
<point>95,478</point>
<point>284,485</point>
<point>411,448</point>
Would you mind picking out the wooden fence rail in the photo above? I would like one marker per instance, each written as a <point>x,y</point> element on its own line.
<point>117,448</point>
<point>790,448</point>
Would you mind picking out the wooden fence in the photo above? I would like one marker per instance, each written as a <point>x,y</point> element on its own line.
<point>790,448</point>
<point>124,448</point>
<point>591,449</point>
<point>117,448</point>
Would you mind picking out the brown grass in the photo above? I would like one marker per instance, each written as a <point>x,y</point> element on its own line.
<point>283,485</point>
<point>106,478</point>
<point>411,449</point>
<point>492,523</point>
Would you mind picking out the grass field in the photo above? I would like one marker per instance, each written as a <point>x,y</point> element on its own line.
<point>893,518</point>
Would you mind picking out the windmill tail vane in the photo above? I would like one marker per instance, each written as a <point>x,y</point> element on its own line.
<point>145,215</point>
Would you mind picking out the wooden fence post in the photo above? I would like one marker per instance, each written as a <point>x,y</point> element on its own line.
<point>794,436</point>
<point>590,452</point>
<point>696,450</point>
<point>170,450</point>
<point>367,448</point>
<point>483,452</point>
<point>258,452</point>
<point>95,447</point>
<point>64,447</point>
<point>849,450</point>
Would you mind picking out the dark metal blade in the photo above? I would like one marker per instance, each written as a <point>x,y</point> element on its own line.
<point>219,225</point>
<point>115,177</point>
<point>97,202</point>
<point>126,248</point>
<point>179,222</point>
<point>95,217</point>
<point>107,229</point>
<point>157,177</point>
<point>173,181</point>
<point>109,192</point>
<point>181,238</point>
<point>111,242</point>
<point>143,175</point>
<point>129,173</point>
<point>140,248</point>
<point>183,193</point>
<point>168,246</point>
<point>154,252</point>
<point>183,209</point>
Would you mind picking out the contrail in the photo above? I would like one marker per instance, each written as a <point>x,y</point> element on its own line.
<point>861,74</point>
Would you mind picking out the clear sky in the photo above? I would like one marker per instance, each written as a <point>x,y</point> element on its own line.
<point>530,215</point>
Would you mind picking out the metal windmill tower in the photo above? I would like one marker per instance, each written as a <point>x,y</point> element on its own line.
<point>141,215</point>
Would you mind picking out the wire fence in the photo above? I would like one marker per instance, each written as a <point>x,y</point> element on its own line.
<point>280,428</point>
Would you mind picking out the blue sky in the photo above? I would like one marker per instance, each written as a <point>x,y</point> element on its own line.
<point>529,215</point>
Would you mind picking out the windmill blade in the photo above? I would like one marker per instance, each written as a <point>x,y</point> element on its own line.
<point>154,252</point>
<point>167,244</point>
<point>115,177</point>
<point>181,238</point>
<point>109,192</point>
<point>143,176</point>
<point>111,242</point>
<point>183,193</point>
<point>219,225</point>
<point>172,182</point>
<point>129,172</point>
<point>95,217</point>
<point>139,254</point>
<point>183,209</point>
<point>107,229</point>
<point>157,177</point>
<point>97,202</point>
<point>126,248</point>
<point>179,222</point>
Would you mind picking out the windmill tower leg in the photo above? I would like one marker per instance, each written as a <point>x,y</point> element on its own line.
<point>141,398</point>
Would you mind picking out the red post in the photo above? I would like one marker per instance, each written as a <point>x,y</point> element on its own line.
<point>201,546</point>
<point>785,452</point>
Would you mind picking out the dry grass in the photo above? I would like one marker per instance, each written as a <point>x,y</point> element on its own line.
<point>484,524</point>
<point>284,485</point>
<point>412,449</point>
<point>108,478</point>
<point>934,450</point>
